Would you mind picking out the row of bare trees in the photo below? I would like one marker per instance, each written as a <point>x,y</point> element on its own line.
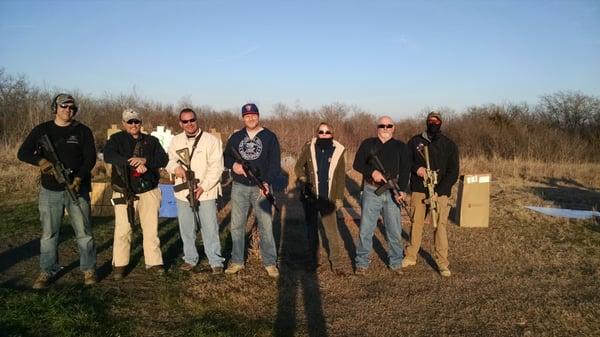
<point>562,127</point>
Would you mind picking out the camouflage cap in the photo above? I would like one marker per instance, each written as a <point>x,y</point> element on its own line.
<point>434,114</point>
<point>64,98</point>
<point>129,114</point>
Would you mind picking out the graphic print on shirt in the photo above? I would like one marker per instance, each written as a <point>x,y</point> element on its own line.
<point>250,149</point>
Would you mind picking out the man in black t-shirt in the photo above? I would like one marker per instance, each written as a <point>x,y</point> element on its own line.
<point>75,149</point>
<point>393,155</point>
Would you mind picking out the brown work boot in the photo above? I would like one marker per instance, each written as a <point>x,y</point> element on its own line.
<point>42,281</point>
<point>186,266</point>
<point>158,269</point>
<point>360,271</point>
<point>118,273</point>
<point>217,270</point>
<point>272,271</point>
<point>89,277</point>
<point>234,268</point>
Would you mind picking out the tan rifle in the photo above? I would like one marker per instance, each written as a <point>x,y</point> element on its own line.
<point>430,181</point>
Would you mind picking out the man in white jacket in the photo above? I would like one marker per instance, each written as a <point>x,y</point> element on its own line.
<point>206,160</point>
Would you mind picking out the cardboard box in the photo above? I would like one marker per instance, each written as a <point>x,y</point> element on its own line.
<point>473,200</point>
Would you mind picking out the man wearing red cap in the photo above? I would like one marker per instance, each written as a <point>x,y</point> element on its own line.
<point>443,155</point>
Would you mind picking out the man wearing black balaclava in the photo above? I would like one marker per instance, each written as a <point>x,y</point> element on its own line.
<point>443,155</point>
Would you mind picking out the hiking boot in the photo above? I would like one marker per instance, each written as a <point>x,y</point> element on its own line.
<point>407,263</point>
<point>41,281</point>
<point>445,272</point>
<point>217,270</point>
<point>339,272</point>
<point>186,266</point>
<point>158,269</point>
<point>397,270</point>
<point>272,271</point>
<point>118,273</point>
<point>89,277</point>
<point>234,268</point>
<point>360,271</point>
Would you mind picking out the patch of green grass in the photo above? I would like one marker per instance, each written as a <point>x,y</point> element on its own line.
<point>19,217</point>
<point>69,311</point>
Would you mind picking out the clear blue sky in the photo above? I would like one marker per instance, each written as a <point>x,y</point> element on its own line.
<point>387,57</point>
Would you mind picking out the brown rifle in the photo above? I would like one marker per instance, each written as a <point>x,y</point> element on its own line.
<point>430,181</point>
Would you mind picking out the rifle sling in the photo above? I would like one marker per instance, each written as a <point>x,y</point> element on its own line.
<point>194,146</point>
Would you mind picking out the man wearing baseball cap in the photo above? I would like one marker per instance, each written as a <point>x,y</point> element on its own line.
<point>136,158</point>
<point>259,147</point>
<point>74,146</point>
<point>443,156</point>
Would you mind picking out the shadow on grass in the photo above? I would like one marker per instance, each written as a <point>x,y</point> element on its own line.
<point>66,311</point>
<point>297,278</point>
<point>31,248</point>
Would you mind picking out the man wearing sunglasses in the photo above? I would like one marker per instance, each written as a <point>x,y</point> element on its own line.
<point>73,143</point>
<point>443,156</point>
<point>136,158</point>
<point>394,156</point>
<point>259,147</point>
<point>206,161</point>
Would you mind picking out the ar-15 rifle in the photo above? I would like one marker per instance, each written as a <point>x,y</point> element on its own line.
<point>254,175</point>
<point>59,171</point>
<point>390,184</point>
<point>430,181</point>
<point>129,196</point>
<point>189,183</point>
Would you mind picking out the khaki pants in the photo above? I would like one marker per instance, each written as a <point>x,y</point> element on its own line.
<point>147,207</point>
<point>440,253</point>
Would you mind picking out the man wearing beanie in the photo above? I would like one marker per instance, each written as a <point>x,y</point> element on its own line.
<point>74,146</point>
<point>443,156</point>
<point>258,147</point>
<point>136,158</point>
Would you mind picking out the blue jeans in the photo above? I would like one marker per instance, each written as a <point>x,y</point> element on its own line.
<point>209,229</point>
<point>242,197</point>
<point>52,206</point>
<point>372,205</point>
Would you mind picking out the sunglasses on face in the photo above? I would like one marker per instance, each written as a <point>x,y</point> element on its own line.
<point>434,121</point>
<point>67,106</point>
<point>187,121</point>
<point>385,126</point>
<point>134,121</point>
<point>324,132</point>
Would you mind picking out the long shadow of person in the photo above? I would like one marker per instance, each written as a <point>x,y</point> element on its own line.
<point>354,191</point>
<point>297,278</point>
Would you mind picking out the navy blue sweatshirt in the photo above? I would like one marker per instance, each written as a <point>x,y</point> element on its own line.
<point>74,145</point>
<point>262,153</point>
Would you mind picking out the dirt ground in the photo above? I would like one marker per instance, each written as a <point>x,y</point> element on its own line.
<point>526,275</point>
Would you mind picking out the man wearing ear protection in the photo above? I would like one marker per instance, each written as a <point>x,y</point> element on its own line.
<point>74,146</point>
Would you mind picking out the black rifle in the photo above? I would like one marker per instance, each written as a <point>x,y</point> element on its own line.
<point>390,184</point>
<point>129,196</point>
<point>254,175</point>
<point>189,183</point>
<point>59,171</point>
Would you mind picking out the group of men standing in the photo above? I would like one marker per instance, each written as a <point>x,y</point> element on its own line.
<point>65,152</point>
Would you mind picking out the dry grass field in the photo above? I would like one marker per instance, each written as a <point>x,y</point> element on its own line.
<point>526,275</point>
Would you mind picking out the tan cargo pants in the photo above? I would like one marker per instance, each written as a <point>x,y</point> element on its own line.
<point>147,207</point>
<point>440,253</point>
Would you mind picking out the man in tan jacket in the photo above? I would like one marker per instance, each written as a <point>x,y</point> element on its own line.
<point>206,161</point>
